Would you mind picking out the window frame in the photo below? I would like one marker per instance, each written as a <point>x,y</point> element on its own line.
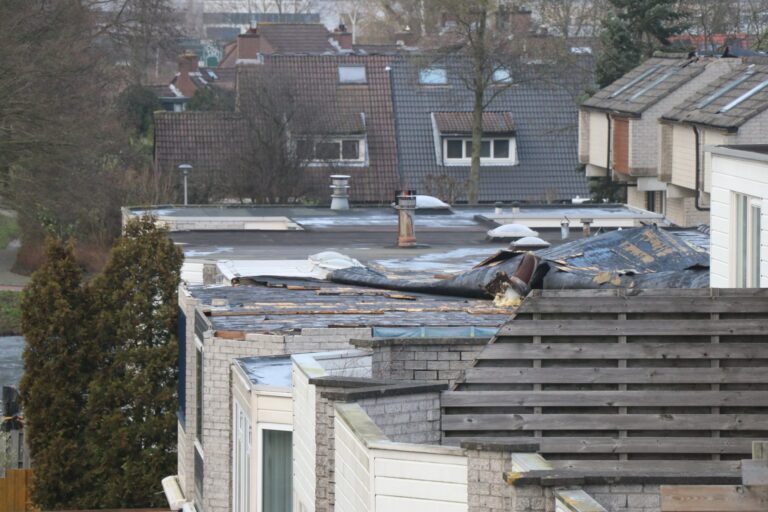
<point>362,152</point>
<point>466,159</point>
<point>241,466</point>
<point>746,240</point>
<point>506,80</point>
<point>431,70</point>
<point>260,428</point>
<point>356,81</point>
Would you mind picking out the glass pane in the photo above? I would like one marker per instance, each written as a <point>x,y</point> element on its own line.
<point>352,74</point>
<point>501,148</point>
<point>454,148</point>
<point>304,149</point>
<point>277,471</point>
<point>350,149</point>
<point>502,76</point>
<point>328,150</point>
<point>199,395</point>
<point>468,151</point>
<point>433,76</point>
<point>485,149</point>
<point>754,270</point>
<point>741,241</point>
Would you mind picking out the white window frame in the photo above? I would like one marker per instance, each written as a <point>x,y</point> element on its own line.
<point>362,153</point>
<point>745,252</point>
<point>260,428</point>
<point>433,70</point>
<point>502,76</point>
<point>359,81</point>
<point>466,158</point>
<point>241,469</point>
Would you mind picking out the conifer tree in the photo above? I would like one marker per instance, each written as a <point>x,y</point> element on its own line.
<point>57,371</point>
<point>132,405</point>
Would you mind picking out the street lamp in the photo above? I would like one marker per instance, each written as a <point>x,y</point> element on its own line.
<point>185,168</point>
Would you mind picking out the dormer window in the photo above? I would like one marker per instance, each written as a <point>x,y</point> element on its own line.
<point>502,76</point>
<point>433,76</point>
<point>453,139</point>
<point>342,150</point>
<point>352,74</point>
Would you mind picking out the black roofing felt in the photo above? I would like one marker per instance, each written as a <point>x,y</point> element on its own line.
<point>545,118</point>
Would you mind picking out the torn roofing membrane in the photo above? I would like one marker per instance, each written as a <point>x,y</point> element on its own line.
<point>645,257</point>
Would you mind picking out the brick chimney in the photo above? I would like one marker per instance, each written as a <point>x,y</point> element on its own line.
<point>249,45</point>
<point>187,65</point>
<point>343,37</point>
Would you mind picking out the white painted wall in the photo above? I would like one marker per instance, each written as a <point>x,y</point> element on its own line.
<point>304,446</point>
<point>731,175</point>
<point>376,475</point>
<point>598,137</point>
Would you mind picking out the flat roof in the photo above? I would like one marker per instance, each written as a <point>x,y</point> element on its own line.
<point>267,371</point>
<point>757,152</point>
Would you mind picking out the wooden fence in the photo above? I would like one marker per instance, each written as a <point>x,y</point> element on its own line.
<point>14,491</point>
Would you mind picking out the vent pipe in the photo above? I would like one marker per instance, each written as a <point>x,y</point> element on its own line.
<point>585,226</point>
<point>340,195</point>
<point>406,208</point>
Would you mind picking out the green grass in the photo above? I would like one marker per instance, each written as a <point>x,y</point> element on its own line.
<point>10,313</point>
<point>9,230</point>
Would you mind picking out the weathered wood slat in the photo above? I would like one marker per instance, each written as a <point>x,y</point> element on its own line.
<point>634,328</point>
<point>613,305</point>
<point>713,498</point>
<point>670,350</point>
<point>645,465</point>
<point>604,398</point>
<point>616,375</point>
<point>480,422</point>
<point>651,475</point>
<point>660,445</point>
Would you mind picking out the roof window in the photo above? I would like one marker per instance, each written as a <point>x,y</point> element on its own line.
<point>654,84</point>
<point>433,76</point>
<point>642,76</point>
<point>352,74</point>
<point>502,76</point>
<point>756,89</point>
<point>728,87</point>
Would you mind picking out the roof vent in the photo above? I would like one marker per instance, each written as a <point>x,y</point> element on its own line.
<point>511,231</point>
<point>406,207</point>
<point>529,243</point>
<point>340,195</point>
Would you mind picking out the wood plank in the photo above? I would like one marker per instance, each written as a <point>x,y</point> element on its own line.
<point>561,477</point>
<point>603,398</point>
<point>480,422</point>
<point>742,327</point>
<point>612,305</point>
<point>671,350</point>
<point>660,445</point>
<point>713,498</point>
<point>616,375</point>
<point>647,465</point>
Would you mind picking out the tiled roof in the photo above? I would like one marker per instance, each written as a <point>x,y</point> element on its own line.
<point>727,102</point>
<point>545,122</point>
<point>162,91</point>
<point>461,122</point>
<point>296,37</point>
<point>645,85</point>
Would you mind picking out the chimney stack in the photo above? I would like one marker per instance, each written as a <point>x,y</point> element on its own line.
<point>340,195</point>
<point>187,65</point>
<point>342,37</point>
<point>249,45</point>
<point>406,208</point>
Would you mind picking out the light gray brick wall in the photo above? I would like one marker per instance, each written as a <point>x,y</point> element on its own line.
<point>486,489</point>
<point>406,419</point>
<point>186,434</point>
<point>325,482</point>
<point>626,498</point>
<point>426,362</point>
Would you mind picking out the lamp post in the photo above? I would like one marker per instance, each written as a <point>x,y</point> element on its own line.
<point>185,168</point>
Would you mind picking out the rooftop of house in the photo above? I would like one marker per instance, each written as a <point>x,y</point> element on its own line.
<point>728,102</point>
<point>646,85</point>
<point>272,371</point>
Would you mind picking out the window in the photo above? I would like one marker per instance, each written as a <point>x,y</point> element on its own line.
<point>746,252</point>
<point>337,150</point>
<point>352,74</point>
<point>275,483</point>
<point>433,76</point>
<point>502,76</point>
<point>497,151</point>
<point>199,394</point>
<point>241,459</point>
<point>181,389</point>
<point>198,479</point>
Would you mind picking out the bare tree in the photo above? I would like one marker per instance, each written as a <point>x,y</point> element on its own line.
<point>571,18</point>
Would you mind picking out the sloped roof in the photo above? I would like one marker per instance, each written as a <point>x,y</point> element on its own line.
<point>623,379</point>
<point>546,126</point>
<point>646,85</point>
<point>727,102</point>
<point>296,37</point>
<point>461,122</point>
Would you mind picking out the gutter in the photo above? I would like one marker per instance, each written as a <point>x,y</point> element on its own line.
<point>698,191</point>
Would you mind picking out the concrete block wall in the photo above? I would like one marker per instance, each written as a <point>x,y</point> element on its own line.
<point>434,360</point>
<point>486,489</point>
<point>406,419</point>
<point>626,498</point>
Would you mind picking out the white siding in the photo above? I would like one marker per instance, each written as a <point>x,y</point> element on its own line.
<point>735,175</point>
<point>304,446</point>
<point>683,157</point>
<point>598,139</point>
<point>353,471</point>
<point>584,136</point>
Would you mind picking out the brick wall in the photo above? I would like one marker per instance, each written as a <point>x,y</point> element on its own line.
<point>422,359</point>
<point>486,489</point>
<point>626,498</point>
<point>410,419</point>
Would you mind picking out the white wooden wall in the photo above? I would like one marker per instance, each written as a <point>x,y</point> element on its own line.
<point>304,446</point>
<point>749,177</point>
<point>598,137</point>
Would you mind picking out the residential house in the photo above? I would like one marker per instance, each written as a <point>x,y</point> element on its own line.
<point>730,110</point>
<point>739,216</point>
<point>190,77</point>
<point>619,128</point>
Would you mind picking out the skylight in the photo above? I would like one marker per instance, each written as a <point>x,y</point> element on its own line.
<point>645,74</point>
<point>352,74</point>
<point>756,89</point>
<point>433,76</point>
<point>712,97</point>
<point>502,76</point>
<point>653,84</point>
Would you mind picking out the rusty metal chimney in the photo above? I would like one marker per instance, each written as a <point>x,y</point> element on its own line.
<point>340,195</point>
<point>586,223</point>
<point>406,208</point>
